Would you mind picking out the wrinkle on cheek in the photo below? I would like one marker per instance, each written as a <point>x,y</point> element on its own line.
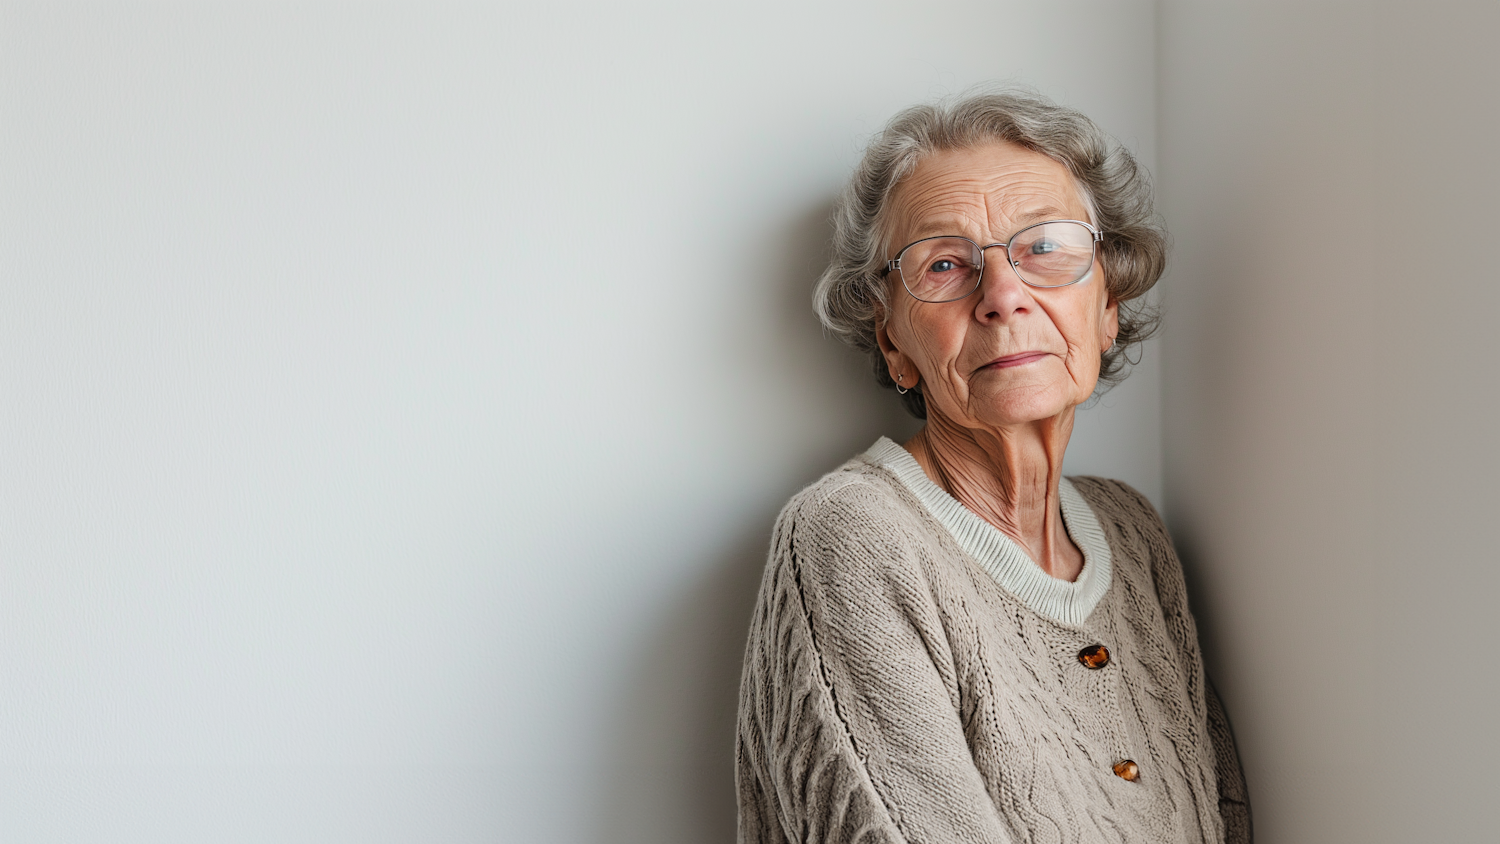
<point>1076,343</point>
<point>943,373</point>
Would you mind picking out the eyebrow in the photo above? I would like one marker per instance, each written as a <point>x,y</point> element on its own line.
<point>1048,213</point>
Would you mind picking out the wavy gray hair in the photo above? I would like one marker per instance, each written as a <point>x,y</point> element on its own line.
<point>1115,189</point>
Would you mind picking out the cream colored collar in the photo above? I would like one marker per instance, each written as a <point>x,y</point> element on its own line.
<point>999,555</point>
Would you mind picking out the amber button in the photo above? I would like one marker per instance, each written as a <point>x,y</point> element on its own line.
<point>1127,770</point>
<point>1094,656</point>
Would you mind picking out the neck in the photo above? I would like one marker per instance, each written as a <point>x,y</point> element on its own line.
<point>1009,477</point>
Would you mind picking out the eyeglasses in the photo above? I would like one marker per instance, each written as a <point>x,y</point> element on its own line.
<point>948,268</point>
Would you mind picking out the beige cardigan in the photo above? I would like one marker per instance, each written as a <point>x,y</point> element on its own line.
<point>912,676</point>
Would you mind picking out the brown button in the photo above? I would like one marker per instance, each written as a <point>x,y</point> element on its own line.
<point>1094,656</point>
<point>1127,770</point>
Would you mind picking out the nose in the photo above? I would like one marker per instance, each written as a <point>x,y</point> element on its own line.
<point>1002,293</point>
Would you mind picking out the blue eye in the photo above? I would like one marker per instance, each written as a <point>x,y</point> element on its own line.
<point>943,266</point>
<point>1042,247</point>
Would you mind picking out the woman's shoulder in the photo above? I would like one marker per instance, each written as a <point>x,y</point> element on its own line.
<point>1118,503</point>
<point>856,519</point>
<point>1140,544</point>
<point>851,550</point>
<point>859,494</point>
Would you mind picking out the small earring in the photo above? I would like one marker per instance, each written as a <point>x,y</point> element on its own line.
<point>899,389</point>
<point>1111,344</point>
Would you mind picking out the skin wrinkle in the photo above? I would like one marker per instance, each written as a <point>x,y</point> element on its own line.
<point>995,438</point>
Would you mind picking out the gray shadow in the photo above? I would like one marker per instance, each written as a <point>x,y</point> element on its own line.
<point>670,757</point>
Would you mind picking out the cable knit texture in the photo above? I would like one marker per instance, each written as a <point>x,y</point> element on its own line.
<point>895,690</point>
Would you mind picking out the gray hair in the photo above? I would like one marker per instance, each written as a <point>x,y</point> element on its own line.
<point>1115,189</point>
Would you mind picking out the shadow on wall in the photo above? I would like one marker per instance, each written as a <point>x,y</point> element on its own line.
<point>1187,514</point>
<point>670,764</point>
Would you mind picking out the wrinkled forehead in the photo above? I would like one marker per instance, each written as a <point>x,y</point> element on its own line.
<point>985,193</point>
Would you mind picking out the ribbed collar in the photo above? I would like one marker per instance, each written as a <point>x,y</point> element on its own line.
<point>999,555</point>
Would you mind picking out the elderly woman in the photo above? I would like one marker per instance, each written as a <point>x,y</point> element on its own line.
<point>953,642</point>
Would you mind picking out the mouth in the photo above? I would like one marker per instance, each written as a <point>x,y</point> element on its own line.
<point>1018,359</point>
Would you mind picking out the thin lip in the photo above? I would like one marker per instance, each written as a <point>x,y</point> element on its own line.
<point>1015,359</point>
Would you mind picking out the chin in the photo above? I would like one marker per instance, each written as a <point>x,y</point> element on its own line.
<point>1019,410</point>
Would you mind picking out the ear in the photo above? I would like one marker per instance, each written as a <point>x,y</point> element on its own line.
<point>896,361</point>
<point>1109,323</point>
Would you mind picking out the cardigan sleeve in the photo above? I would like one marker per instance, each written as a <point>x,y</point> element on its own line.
<point>1234,802</point>
<point>848,723</point>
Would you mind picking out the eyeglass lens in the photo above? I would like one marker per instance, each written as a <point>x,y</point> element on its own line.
<point>1052,254</point>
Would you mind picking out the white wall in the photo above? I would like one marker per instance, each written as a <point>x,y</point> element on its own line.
<point>1329,174</point>
<point>396,402</point>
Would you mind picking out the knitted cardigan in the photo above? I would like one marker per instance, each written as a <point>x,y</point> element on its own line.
<point>912,676</point>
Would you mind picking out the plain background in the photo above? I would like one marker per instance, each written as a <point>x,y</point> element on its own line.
<point>397,400</point>
<point>1329,173</point>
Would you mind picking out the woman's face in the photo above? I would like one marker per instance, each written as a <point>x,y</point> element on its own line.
<point>1009,353</point>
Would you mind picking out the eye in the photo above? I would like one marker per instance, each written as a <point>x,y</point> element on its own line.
<point>942,265</point>
<point>1044,246</point>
